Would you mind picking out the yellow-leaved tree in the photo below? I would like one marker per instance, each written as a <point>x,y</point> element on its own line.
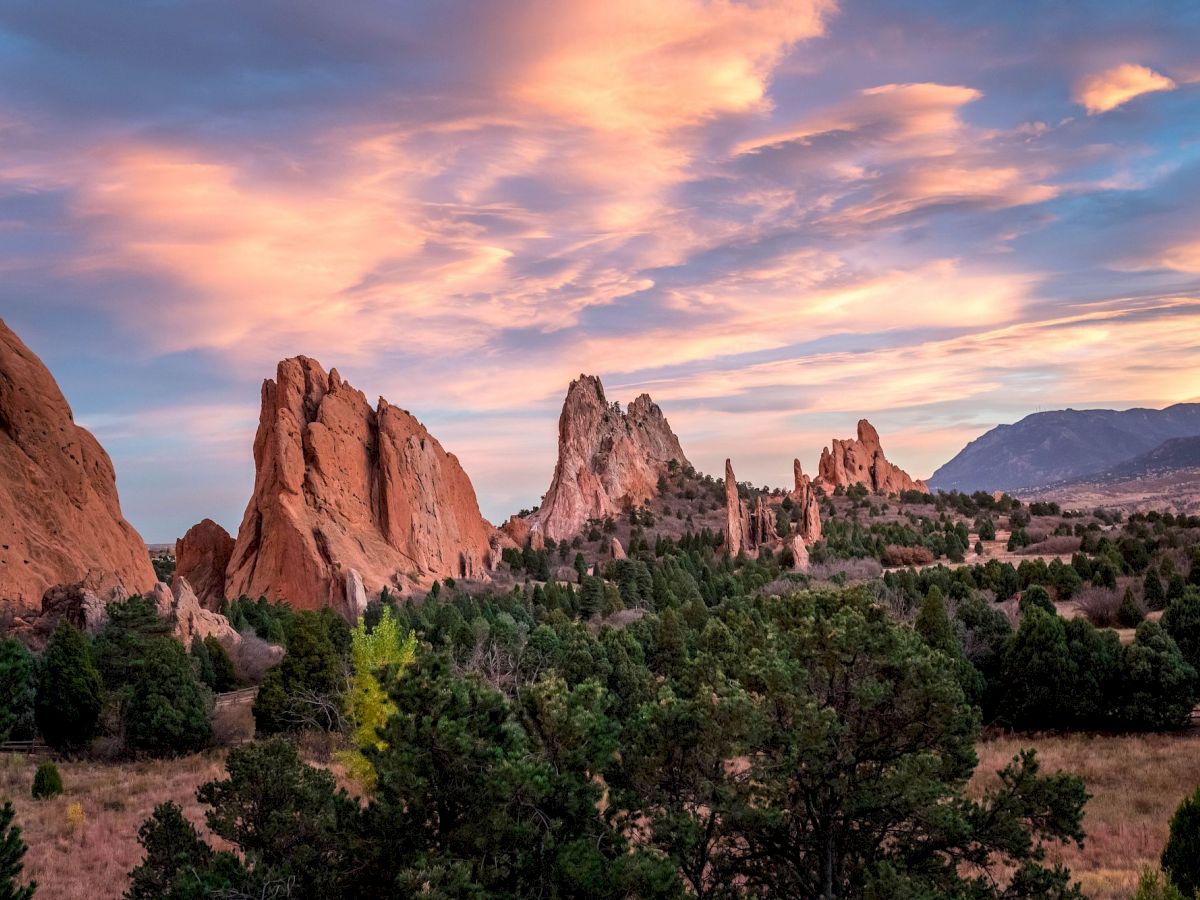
<point>380,653</point>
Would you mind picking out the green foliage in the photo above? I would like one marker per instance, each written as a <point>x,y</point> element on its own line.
<point>267,620</point>
<point>168,712</point>
<point>1154,885</point>
<point>304,689</point>
<point>378,658</point>
<point>224,674</point>
<point>1036,596</point>
<point>1153,592</point>
<point>120,648</point>
<point>178,864</point>
<point>18,691</point>
<point>1037,673</point>
<point>1182,622</point>
<point>933,623</point>
<point>12,852</point>
<point>1129,614</point>
<point>47,782</point>
<point>1159,685</point>
<point>202,662</point>
<point>1181,856</point>
<point>70,693</point>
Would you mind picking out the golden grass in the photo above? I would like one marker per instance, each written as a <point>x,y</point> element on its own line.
<point>83,844</point>
<point>1136,782</point>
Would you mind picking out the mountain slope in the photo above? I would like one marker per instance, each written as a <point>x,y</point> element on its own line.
<point>1062,445</point>
<point>1169,456</point>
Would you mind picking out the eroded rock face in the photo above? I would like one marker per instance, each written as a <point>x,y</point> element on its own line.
<point>180,606</point>
<point>734,513</point>
<point>202,556</point>
<point>608,460</point>
<point>861,461</point>
<point>804,495</point>
<point>60,517</point>
<point>342,486</point>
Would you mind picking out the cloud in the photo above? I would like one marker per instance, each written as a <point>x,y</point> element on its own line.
<point>1115,87</point>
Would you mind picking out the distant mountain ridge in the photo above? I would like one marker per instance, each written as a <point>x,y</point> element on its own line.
<point>1063,445</point>
<point>1169,456</point>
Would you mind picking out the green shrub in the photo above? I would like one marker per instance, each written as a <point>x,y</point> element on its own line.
<point>1181,856</point>
<point>304,690</point>
<point>70,694</point>
<point>1036,596</point>
<point>47,782</point>
<point>18,691</point>
<point>224,674</point>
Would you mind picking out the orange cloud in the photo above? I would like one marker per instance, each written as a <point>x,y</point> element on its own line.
<point>1115,87</point>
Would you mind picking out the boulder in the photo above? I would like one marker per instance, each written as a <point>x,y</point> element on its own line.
<point>76,604</point>
<point>340,485</point>
<point>618,552</point>
<point>799,553</point>
<point>60,516</point>
<point>862,461</point>
<point>202,556</point>
<point>608,460</point>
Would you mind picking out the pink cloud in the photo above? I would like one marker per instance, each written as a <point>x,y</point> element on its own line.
<point>1104,91</point>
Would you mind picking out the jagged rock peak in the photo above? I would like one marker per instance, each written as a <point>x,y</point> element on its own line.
<point>608,460</point>
<point>735,536</point>
<point>346,493</point>
<point>862,461</point>
<point>804,495</point>
<point>60,516</point>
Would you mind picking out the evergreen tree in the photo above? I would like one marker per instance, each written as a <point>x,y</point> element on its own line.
<point>1129,614</point>
<point>224,674</point>
<point>12,852</point>
<point>18,691</point>
<point>1038,674</point>
<point>202,662</point>
<point>70,693</point>
<point>1159,686</point>
<point>933,623</point>
<point>168,711</point>
<point>1182,622</point>
<point>304,689</point>
<point>1181,856</point>
<point>591,597</point>
<point>1153,592</point>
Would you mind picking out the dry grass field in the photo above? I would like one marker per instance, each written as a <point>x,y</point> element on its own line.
<point>88,856</point>
<point>1136,781</point>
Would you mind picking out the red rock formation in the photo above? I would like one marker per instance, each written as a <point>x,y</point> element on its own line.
<point>735,538</point>
<point>861,461</point>
<point>805,497</point>
<point>618,551</point>
<point>202,556</point>
<point>179,606</point>
<point>344,492</point>
<point>60,517</point>
<point>608,460</point>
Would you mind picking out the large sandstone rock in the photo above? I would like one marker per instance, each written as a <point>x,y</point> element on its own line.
<point>805,497</point>
<point>861,461</point>
<point>60,518</point>
<point>734,514</point>
<point>202,556</point>
<point>608,460</point>
<point>341,487</point>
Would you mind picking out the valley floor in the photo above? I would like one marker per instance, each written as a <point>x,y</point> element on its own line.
<point>1135,782</point>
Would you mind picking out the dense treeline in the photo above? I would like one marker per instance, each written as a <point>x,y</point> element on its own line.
<point>786,746</point>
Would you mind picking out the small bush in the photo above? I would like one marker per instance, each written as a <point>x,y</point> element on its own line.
<point>1129,614</point>
<point>47,782</point>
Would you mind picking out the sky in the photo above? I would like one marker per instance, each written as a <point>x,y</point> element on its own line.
<point>775,216</point>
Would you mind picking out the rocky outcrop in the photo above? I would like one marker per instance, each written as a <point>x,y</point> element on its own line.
<point>804,495</point>
<point>76,604</point>
<point>60,517</point>
<point>618,551</point>
<point>734,514</point>
<point>861,461</point>
<point>608,460</point>
<point>180,607</point>
<point>343,491</point>
<point>202,556</point>
<point>800,557</point>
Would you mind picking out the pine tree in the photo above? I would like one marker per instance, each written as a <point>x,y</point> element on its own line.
<point>70,693</point>
<point>933,623</point>
<point>12,852</point>
<point>168,712</point>
<point>1153,592</point>
<point>1181,856</point>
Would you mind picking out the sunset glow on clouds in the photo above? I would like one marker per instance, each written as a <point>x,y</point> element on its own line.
<point>776,216</point>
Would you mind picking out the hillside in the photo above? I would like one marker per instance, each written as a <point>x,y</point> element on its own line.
<point>1062,445</point>
<point>1169,456</point>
